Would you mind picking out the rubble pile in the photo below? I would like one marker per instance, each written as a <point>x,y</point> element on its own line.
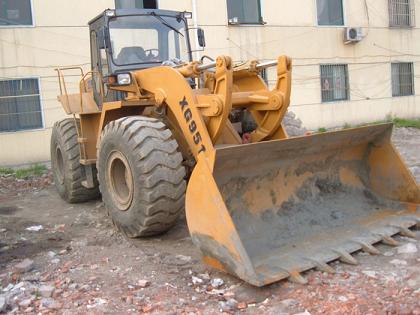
<point>293,125</point>
<point>12,186</point>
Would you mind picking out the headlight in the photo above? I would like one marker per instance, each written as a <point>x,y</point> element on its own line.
<point>187,15</point>
<point>123,79</point>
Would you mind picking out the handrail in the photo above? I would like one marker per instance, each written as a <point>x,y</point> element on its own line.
<point>82,80</point>
<point>82,83</point>
<point>62,81</point>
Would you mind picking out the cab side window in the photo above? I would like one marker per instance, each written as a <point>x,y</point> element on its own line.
<point>96,78</point>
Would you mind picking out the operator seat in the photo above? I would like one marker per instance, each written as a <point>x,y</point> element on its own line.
<point>134,54</point>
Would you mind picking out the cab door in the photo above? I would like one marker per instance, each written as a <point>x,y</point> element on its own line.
<point>100,65</point>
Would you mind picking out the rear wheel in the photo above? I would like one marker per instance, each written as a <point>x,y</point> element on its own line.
<point>141,175</point>
<point>67,171</point>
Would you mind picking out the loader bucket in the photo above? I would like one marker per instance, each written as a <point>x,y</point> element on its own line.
<point>274,209</point>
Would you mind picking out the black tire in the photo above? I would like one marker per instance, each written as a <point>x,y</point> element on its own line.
<point>67,171</point>
<point>141,176</point>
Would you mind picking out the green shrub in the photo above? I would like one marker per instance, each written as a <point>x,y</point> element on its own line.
<point>413,123</point>
<point>34,170</point>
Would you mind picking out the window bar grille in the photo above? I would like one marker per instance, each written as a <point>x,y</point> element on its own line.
<point>401,13</point>
<point>20,106</point>
<point>402,79</point>
<point>334,82</point>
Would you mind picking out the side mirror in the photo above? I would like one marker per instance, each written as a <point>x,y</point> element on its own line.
<point>201,37</point>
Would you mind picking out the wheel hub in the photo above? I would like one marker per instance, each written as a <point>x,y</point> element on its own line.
<point>120,180</point>
<point>59,165</point>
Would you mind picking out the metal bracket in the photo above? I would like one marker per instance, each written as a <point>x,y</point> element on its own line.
<point>223,100</point>
<point>269,121</point>
<point>89,182</point>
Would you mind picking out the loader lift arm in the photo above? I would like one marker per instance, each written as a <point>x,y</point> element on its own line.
<point>203,116</point>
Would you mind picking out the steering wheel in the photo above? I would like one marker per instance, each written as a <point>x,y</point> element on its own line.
<point>150,53</point>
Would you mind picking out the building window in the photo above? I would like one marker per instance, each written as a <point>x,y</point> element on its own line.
<point>136,4</point>
<point>401,13</point>
<point>334,83</point>
<point>15,12</point>
<point>244,11</point>
<point>330,12</point>
<point>402,79</point>
<point>20,105</point>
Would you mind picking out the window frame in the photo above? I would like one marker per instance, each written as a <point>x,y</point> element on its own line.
<point>41,106</point>
<point>412,16</point>
<point>344,4</point>
<point>23,25</point>
<point>413,90</point>
<point>347,77</point>
<point>160,38</point>
<point>157,6</point>
<point>256,23</point>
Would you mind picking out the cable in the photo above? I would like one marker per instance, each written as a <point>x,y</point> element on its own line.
<point>364,98</point>
<point>245,50</point>
<point>401,54</point>
<point>45,67</point>
<point>376,12</point>
<point>371,99</point>
<point>46,49</point>
<point>292,105</point>
<point>367,17</point>
<point>395,51</point>
<point>41,77</point>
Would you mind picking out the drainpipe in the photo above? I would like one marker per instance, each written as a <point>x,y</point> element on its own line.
<point>195,23</point>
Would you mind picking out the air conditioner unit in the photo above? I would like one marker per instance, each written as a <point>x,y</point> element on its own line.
<point>234,21</point>
<point>353,35</point>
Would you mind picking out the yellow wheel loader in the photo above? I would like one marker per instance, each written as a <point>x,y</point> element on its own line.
<point>156,132</point>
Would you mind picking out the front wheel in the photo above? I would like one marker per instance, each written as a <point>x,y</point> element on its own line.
<point>141,175</point>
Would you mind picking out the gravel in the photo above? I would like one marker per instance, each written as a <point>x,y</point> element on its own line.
<point>96,270</point>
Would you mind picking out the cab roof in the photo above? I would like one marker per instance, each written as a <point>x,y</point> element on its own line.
<point>128,12</point>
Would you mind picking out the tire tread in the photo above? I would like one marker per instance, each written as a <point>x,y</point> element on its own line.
<point>159,162</point>
<point>66,131</point>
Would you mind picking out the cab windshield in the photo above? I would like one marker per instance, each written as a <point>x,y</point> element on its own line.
<point>146,39</point>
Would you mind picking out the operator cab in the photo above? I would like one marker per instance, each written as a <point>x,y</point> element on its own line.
<point>124,40</point>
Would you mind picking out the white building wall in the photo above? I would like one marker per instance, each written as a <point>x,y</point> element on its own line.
<point>60,37</point>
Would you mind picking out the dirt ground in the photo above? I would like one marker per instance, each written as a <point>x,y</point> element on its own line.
<point>68,259</point>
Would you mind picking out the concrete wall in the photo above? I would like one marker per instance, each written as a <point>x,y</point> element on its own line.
<point>60,37</point>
